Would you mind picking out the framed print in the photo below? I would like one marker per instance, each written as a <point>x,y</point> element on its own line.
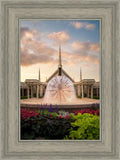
<point>60,79</point>
<point>55,48</point>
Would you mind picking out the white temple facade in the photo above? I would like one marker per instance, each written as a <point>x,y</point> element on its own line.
<point>35,88</point>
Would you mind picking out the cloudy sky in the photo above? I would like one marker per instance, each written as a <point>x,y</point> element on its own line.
<point>80,48</point>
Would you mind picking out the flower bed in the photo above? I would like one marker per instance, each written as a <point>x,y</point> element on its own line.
<point>43,124</point>
<point>47,125</point>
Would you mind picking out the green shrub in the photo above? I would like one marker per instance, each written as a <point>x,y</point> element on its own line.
<point>46,113</point>
<point>85,95</point>
<point>84,127</point>
<point>95,97</point>
<point>40,96</point>
<point>25,97</point>
<point>54,114</point>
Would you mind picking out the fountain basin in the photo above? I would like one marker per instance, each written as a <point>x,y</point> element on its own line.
<point>81,103</point>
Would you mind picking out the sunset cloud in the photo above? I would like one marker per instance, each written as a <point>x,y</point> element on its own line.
<point>28,59</point>
<point>27,33</point>
<point>89,26</point>
<point>59,37</point>
<point>34,51</point>
<point>83,46</point>
<point>75,57</point>
<point>77,45</point>
<point>79,25</point>
<point>95,47</point>
<point>86,51</point>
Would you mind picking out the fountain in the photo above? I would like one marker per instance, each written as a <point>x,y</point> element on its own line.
<point>60,90</point>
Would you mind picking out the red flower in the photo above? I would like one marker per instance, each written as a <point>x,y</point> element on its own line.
<point>25,114</point>
<point>91,111</point>
<point>66,117</point>
<point>60,116</point>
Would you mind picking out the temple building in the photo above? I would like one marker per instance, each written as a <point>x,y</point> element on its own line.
<point>35,88</point>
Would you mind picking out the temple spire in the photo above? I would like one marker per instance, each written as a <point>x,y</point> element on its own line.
<point>80,74</point>
<point>39,74</point>
<point>60,65</point>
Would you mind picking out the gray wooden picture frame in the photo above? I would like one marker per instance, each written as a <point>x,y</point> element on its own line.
<point>107,11</point>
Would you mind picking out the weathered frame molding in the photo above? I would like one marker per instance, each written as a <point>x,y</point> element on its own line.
<point>108,13</point>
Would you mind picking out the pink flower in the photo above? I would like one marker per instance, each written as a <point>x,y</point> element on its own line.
<point>66,117</point>
<point>60,116</point>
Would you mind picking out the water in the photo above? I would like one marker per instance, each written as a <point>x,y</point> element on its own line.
<point>60,90</point>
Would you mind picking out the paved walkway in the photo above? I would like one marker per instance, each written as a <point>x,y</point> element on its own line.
<point>78,101</point>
